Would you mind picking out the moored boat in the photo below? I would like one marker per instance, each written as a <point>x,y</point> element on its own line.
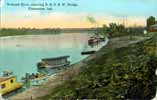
<point>9,84</point>
<point>53,63</point>
<point>88,52</point>
<point>33,76</point>
<point>94,40</point>
<point>34,79</point>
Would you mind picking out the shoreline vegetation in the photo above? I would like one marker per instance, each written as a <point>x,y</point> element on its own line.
<point>113,30</point>
<point>126,72</point>
<point>26,31</point>
<point>109,74</point>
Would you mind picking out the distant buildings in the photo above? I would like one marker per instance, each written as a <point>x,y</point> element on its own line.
<point>153,28</point>
<point>152,24</point>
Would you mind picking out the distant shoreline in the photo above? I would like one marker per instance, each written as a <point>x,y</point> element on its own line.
<point>16,36</point>
<point>17,32</point>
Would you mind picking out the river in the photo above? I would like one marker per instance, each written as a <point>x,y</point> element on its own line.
<point>20,54</point>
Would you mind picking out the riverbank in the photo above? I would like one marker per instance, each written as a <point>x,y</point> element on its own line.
<point>123,73</point>
<point>67,75</point>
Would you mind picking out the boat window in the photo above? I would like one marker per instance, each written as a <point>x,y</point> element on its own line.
<point>3,86</point>
<point>11,81</point>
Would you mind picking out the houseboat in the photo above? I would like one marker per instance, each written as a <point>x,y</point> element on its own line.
<point>54,63</point>
<point>9,84</point>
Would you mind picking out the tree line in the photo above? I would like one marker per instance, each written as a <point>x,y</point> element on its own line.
<point>26,31</point>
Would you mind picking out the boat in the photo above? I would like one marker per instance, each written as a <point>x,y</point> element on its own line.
<point>88,52</point>
<point>7,73</point>
<point>94,40</point>
<point>53,63</point>
<point>9,84</point>
<point>34,78</point>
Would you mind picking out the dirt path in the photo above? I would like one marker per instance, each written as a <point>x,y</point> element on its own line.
<point>38,91</point>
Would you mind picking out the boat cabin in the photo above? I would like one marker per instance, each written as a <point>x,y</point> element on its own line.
<point>54,62</point>
<point>9,84</point>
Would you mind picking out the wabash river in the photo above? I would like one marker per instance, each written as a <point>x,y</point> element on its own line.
<point>20,54</point>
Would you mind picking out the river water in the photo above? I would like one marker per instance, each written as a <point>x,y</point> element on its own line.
<point>20,54</point>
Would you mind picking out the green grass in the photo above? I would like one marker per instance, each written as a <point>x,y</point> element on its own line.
<point>122,73</point>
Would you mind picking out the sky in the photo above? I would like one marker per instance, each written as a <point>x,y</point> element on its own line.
<point>127,12</point>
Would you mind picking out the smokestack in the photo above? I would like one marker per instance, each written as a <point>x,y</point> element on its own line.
<point>92,20</point>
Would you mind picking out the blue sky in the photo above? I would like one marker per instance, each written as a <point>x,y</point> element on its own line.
<point>113,8</point>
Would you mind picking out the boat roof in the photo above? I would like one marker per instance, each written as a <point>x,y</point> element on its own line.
<point>55,58</point>
<point>2,79</point>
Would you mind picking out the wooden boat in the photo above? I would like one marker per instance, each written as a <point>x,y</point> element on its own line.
<point>33,76</point>
<point>88,52</point>
<point>94,40</point>
<point>53,63</point>
<point>34,79</point>
<point>9,84</point>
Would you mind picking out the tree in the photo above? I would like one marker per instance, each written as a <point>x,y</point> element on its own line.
<point>104,30</point>
<point>116,30</point>
<point>150,21</point>
<point>121,28</point>
<point>112,29</point>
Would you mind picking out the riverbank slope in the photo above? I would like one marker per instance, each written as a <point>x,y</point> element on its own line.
<point>85,78</point>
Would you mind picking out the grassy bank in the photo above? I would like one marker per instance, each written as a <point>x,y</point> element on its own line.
<point>23,31</point>
<point>123,73</point>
